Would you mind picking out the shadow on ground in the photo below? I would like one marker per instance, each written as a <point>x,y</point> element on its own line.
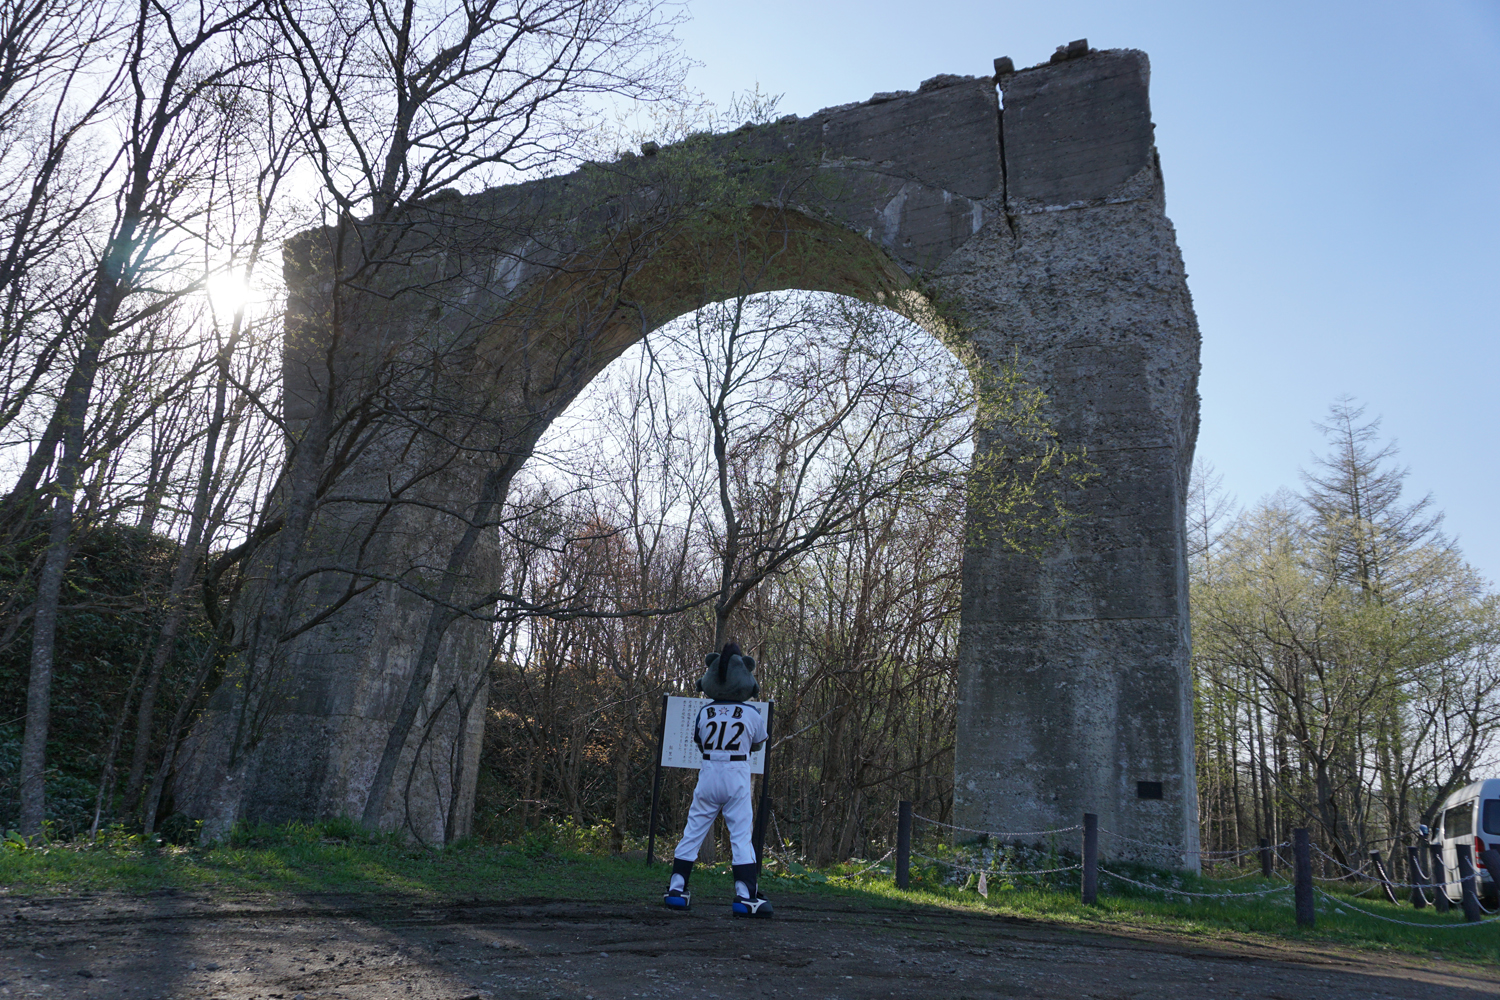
<point>176,944</point>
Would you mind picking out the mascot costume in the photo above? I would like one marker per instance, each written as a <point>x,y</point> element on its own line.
<point>726,731</point>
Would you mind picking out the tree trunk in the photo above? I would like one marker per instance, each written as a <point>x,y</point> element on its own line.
<point>622,787</point>
<point>179,719</point>
<point>74,403</point>
<point>146,713</point>
<point>39,685</point>
<point>182,575</point>
<point>116,735</point>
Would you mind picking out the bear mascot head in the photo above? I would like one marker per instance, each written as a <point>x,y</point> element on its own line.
<point>730,675</point>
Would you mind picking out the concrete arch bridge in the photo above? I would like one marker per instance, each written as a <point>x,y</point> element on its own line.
<point>424,359</point>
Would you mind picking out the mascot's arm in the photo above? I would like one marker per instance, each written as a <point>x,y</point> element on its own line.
<point>764,733</point>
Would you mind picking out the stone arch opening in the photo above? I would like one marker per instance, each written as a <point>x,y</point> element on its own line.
<point>622,493</point>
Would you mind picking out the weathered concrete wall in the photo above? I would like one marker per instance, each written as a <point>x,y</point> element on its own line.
<point>1075,681</point>
<point>1039,229</point>
<point>303,741</point>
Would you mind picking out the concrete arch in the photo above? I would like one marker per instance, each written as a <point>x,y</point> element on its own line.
<point>1040,229</point>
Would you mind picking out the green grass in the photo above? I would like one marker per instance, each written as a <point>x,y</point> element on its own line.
<point>315,858</point>
<point>1122,907</point>
<point>565,863</point>
<point>1444,937</point>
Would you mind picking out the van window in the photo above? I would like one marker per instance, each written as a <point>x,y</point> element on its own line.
<point>1492,817</point>
<point>1459,821</point>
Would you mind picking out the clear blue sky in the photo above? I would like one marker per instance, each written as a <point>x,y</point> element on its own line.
<point>1333,170</point>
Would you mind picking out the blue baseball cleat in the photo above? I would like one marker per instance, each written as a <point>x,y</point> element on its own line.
<point>760,906</point>
<point>678,899</point>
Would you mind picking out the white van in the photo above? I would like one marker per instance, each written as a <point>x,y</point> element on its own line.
<point>1470,816</point>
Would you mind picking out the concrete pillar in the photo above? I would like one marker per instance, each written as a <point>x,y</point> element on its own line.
<point>1075,689</point>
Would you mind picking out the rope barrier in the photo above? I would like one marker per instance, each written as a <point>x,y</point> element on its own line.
<point>1226,855</point>
<point>1404,923</point>
<point>1001,873</point>
<point>1330,857</point>
<point>1375,881</point>
<point>872,864</point>
<point>1169,848</point>
<point>1132,840</point>
<point>992,833</point>
<point>1208,859</point>
<point>1341,879</point>
<point>1183,892</point>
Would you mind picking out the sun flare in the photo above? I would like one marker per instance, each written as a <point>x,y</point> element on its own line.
<point>228,292</point>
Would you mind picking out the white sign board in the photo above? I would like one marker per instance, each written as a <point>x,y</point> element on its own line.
<point>677,746</point>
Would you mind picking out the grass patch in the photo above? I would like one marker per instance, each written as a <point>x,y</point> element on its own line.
<point>333,857</point>
<point>1345,920</point>
<point>568,863</point>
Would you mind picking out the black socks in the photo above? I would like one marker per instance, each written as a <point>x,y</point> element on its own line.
<point>747,874</point>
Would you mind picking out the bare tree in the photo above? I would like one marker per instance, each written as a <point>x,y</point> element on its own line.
<point>397,104</point>
<point>839,434</point>
<point>817,407</point>
<point>389,107</point>
<point>174,62</point>
<point>52,101</point>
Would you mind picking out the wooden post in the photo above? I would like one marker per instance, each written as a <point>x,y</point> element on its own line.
<point>1440,900</point>
<point>1385,879</point>
<point>661,737</point>
<point>758,833</point>
<point>903,846</point>
<point>763,814</point>
<point>1090,859</point>
<point>1265,858</point>
<point>1303,891</point>
<point>1418,877</point>
<point>1468,877</point>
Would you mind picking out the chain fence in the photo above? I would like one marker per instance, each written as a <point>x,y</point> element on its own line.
<point>1301,888</point>
<point>1338,905</point>
<point>996,872</point>
<point>1003,837</point>
<point>1170,891</point>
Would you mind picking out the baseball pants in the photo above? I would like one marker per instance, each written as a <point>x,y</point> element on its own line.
<point>726,789</point>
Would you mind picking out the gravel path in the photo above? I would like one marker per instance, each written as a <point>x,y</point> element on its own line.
<point>170,946</point>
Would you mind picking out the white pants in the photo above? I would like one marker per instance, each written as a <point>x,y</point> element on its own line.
<point>721,788</point>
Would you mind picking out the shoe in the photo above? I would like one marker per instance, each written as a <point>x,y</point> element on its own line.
<point>760,906</point>
<point>678,899</point>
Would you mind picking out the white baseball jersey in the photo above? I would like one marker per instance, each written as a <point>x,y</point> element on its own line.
<point>727,731</point>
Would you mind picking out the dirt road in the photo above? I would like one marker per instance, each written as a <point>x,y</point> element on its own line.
<point>172,946</point>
